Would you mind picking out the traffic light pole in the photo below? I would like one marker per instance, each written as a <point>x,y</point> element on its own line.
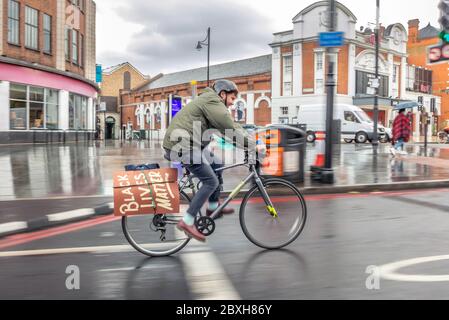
<point>375,141</point>
<point>327,174</point>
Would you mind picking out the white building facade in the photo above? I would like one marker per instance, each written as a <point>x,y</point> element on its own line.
<point>299,65</point>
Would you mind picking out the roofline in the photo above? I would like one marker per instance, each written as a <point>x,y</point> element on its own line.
<point>325,3</point>
<point>149,81</point>
<point>121,66</point>
<point>283,32</point>
<point>162,75</point>
<point>220,64</point>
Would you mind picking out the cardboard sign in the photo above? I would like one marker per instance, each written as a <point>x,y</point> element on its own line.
<point>146,192</point>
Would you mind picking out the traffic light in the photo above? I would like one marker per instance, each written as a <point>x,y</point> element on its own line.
<point>444,36</point>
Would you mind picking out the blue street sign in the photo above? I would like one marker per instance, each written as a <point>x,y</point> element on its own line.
<point>331,39</point>
<point>176,106</point>
<point>99,73</point>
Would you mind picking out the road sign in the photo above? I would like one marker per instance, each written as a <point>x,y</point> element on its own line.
<point>374,83</point>
<point>98,73</point>
<point>331,39</point>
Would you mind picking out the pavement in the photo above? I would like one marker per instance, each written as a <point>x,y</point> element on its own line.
<point>47,185</point>
<point>391,245</point>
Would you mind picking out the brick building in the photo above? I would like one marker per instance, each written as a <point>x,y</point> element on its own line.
<point>47,70</point>
<point>418,42</point>
<point>120,77</point>
<point>299,65</point>
<point>147,107</point>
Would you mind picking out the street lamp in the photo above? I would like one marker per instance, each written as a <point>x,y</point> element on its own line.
<point>200,45</point>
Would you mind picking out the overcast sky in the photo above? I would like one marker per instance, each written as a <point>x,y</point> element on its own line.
<point>161,36</point>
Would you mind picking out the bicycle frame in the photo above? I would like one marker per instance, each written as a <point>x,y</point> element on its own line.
<point>253,174</point>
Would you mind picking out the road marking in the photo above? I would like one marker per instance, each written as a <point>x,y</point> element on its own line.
<point>134,268</point>
<point>99,249</point>
<point>390,271</point>
<point>56,198</point>
<point>205,276</point>
<point>30,237</point>
<point>13,226</point>
<point>70,215</point>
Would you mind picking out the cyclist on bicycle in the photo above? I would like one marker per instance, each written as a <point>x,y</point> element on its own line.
<point>210,110</point>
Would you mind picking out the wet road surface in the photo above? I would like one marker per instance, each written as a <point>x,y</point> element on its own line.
<point>344,235</point>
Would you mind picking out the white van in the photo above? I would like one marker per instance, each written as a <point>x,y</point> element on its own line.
<point>355,123</point>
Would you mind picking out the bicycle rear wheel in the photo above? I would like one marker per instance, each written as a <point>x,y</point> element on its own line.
<point>268,228</point>
<point>157,235</point>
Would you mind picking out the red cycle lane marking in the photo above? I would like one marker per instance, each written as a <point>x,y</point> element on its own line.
<point>30,237</point>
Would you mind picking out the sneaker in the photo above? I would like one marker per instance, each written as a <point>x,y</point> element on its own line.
<point>225,211</point>
<point>393,151</point>
<point>191,231</point>
<point>403,152</point>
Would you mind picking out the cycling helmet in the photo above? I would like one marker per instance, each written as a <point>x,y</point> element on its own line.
<point>225,85</point>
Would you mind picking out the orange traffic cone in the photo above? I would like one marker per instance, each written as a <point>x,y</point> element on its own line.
<point>320,147</point>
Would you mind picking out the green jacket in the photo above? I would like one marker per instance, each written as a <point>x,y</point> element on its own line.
<point>210,113</point>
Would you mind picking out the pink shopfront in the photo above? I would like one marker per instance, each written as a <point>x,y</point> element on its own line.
<point>42,106</point>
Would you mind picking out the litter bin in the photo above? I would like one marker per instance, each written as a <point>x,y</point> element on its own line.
<point>286,149</point>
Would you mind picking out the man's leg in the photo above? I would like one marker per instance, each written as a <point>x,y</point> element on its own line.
<point>209,185</point>
<point>215,196</point>
<point>214,199</point>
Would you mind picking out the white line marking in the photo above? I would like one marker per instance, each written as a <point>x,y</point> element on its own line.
<point>390,271</point>
<point>101,249</point>
<point>205,276</point>
<point>134,268</point>
<point>13,226</point>
<point>70,215</point>
<point>13,198</point>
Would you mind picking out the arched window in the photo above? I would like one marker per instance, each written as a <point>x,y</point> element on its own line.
<point>127,81</point>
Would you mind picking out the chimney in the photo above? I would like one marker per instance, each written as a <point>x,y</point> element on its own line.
<point>413,30</point>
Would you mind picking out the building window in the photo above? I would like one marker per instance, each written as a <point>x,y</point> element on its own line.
<point>47,33</point>
<point>81,50</point>
<point>33,107</point>
<point>288,75</point>
<point>363,79</point>
<point>67,43</point>
<point>31,28</point>
<point>284,111</point>
<point>75,46</point>
<point>36,110</point>
<point>77,112</point>
<point>319,73</point>
<point>395,73</point>
<point>419,80</point>
<point>127,81</point>
<point>13,22</point>
<point>51,108</point>
<point>18,107</point>
<point>410,78</point>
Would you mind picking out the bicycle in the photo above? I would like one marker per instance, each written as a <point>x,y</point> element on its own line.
<point>285,216</point>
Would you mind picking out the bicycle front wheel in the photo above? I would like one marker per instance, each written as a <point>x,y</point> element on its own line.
<point>156,235</point>
<point>273,228</point>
